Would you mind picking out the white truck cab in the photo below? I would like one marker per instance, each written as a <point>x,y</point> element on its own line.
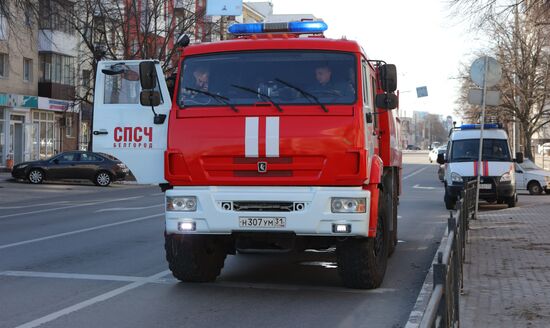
<point>498,183</point>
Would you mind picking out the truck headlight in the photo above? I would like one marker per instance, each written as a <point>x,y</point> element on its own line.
<point>455,177</point>
<point>506,178</point>
<point>348,205</point>
<point>547,179</point>
<point>181,204</point>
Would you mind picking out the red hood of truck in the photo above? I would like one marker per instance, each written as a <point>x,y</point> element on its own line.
<point>261,146</point>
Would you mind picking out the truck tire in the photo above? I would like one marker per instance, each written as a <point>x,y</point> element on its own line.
<point>194,258</point>
<point>450,203</point>
<point>362,261</point>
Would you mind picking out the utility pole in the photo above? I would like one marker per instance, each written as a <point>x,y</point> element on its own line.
<point>515,134</point>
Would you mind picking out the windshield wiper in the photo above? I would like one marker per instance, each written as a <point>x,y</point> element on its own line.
<point>306,95</point>
<point>263,95</point>
<point>219,98</point>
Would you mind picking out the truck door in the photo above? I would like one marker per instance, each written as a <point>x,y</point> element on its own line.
<point>125,129</point>
<point>368,112</point>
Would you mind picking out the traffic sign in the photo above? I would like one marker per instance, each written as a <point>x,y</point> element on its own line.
<point>485,70</point>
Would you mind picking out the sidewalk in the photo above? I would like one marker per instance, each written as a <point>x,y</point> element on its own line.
<point>507,269</point>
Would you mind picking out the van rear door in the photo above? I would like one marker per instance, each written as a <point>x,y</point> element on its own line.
<point>122,127</point>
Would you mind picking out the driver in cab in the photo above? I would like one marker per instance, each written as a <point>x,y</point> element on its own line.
<point>325,86</point>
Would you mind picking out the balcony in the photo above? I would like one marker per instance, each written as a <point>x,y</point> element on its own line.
<point>56,90</point>
<point>57,42</point>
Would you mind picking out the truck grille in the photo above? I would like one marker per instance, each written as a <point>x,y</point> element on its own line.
<point>262,206</point>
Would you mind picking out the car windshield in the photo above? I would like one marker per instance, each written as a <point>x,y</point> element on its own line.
<point>467,150</point>
<point>279,77</point>
<point>528,165</point>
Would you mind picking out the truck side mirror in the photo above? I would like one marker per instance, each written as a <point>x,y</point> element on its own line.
<point>388,77</point>
<point>440,159</point>
<point>519,158</point>
<point>386,101</point>
<point>147,75</point>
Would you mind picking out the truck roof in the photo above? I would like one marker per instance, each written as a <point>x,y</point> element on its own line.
<point>281,42</point>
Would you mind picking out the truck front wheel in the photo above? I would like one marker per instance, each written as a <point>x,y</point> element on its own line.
<point>194,258</point>
<point>362,261</point>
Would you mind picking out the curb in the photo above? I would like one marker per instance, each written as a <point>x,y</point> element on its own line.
<point>423,298</point>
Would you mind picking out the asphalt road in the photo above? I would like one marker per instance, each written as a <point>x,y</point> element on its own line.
<point>83,256</point>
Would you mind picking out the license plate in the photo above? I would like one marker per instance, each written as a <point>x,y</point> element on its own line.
<point>485,186</point>
<point>262,222</point>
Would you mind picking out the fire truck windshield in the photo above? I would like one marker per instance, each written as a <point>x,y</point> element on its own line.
<point>287,77</point>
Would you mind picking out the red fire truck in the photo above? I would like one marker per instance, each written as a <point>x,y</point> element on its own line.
<point>278,139</point>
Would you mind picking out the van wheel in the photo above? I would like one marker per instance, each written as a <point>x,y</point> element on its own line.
<point>512,201</point>
<point>194,258</point>
<point>450,203</point>
<point>362,262</point>
<point>534,188</point>
<point>391,194</point>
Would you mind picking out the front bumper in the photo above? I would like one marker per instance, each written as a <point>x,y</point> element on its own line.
<point>314,219</point>
<point>19,173</point>
<point>492,189</point>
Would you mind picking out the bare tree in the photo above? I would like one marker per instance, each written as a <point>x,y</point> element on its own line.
<point>521,45</point>
<point>481,13</point>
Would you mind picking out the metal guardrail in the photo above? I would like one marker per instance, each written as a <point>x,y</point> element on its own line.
<point>443,306</point>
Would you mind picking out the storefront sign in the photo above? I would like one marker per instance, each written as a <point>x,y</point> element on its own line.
<point>54,104</point>
<point>18,101</point>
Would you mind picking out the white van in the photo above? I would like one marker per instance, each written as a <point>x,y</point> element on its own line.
<point>498,182</point>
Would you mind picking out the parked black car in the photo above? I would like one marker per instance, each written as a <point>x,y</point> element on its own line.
<point>100,168</point>
<point>413,147</point>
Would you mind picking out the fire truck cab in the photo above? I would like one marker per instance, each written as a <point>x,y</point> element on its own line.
<point>277,139</point>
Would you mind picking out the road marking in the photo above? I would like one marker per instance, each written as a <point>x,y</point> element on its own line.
<point>79,231</point>
<point>126,208</point>
<point>426,188</point>
<point>415,173</point>
<point>171,280</point>
<point>79,276</point>
<point>72,206</point>
<point>34,205</point>
<point>103,297</point>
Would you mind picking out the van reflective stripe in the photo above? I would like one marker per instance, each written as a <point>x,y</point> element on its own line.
<point>251,137</point>
<point>485,168</point>
<point>475,168</point>
<point>272,137</point>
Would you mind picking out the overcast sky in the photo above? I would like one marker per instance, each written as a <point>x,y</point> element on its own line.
<point>418,36</point>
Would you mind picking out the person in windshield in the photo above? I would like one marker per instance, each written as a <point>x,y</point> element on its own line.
<point>325,85</point>
<point>201,76</point>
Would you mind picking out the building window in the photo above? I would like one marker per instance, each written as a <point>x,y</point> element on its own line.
<point>69,126</point>
<point>27,70</point>
<point>3,65</point>
<point>28,17</point>
<point>45,134</point>
<point>3,28</point>
<point>56,69</point>
<point>86,78</point>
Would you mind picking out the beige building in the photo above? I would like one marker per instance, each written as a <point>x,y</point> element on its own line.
<point>18,85</point>
<point>37,115</point>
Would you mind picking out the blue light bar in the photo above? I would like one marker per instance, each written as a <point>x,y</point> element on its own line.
<point>308,27</point>
<point>478,126</point>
